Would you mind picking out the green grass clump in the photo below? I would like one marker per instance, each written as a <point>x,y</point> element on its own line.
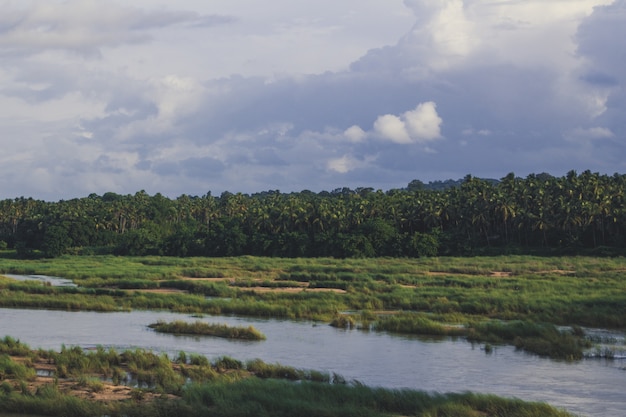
<point>540,338</point>
<point>418,324</point>
<point>14,370</point>
<point>343,321</point>
<point>199,328</point>
<point>228,363</point>
<point>280,398</point>
<point>11,346</point>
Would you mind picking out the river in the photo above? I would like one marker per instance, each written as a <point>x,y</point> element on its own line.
<point>591,387</point>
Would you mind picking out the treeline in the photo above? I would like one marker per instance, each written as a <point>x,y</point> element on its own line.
<point>570,214</point>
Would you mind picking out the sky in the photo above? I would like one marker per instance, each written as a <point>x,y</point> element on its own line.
<point>195,96</point>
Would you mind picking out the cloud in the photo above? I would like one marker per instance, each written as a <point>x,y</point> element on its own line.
<point>217,96</point>
<point>86,26</point>
<point>355,133</point>
<point>415,126</point>
<point>342,165</point>
<point>587,135</point>
<point>392,128</point>
<point>423,123</point>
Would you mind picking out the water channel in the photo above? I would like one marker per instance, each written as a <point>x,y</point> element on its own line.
<point>591,387</point>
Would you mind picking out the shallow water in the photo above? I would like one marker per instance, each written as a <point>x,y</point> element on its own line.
<point>591,387</point>
<point>52,281</point>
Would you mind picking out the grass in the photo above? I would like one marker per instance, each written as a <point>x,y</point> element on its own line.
<point>418,324</point>
<point>199,328</point>
<point>281,398</point>
<point>540,338</point>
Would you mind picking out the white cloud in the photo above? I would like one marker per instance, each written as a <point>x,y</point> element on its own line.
<point>420,125</point>
<point>423,123</point>
<point>342,165</point>
<point>392,128</point>
<point>355,133</point>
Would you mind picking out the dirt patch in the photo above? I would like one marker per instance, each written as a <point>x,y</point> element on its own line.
<point>105,391</point>
<point>162,291</point>
<point>557,271</point>
<point>222,279</point>
<point>292,289</point>
<point>500,274</point>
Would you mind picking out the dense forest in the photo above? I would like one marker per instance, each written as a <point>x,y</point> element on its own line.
<point>577,213</point>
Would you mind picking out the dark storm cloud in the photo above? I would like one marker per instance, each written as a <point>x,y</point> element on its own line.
<point>600,43</point>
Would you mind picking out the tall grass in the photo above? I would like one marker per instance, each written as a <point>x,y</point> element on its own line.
<point>282,398</point>
<point>539,338</point>
<point>418,324</point>
<point>207,329</point>
<point>14,347</point>
<point>12,369</point>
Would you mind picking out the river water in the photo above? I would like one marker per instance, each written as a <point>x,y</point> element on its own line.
<point>591,387</point>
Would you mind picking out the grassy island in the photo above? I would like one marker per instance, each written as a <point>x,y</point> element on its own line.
<point>199,328</point>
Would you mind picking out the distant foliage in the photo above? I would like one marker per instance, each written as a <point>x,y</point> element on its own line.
<point>577,213</point>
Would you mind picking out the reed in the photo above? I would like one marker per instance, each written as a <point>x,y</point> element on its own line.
<point>540,338</point>
<point>343,321</point>
<point>417,324</point>
<point>11,346</point>
<point>199,328</point>
<point>282,398</point>
<point>11,369</point>
<point>228,363</point>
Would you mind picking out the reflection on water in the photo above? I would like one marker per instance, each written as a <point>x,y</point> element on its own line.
<point>592,387</point>
<point>607,344</point>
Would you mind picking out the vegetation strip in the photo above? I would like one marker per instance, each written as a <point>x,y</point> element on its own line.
<point>138,383</point>
<point>574,214</point>
<point>207,329</point>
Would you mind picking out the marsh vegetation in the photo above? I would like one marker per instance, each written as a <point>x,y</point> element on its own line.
<point>199,328</point>
<point>537,304</point>
<point>518,300</point>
